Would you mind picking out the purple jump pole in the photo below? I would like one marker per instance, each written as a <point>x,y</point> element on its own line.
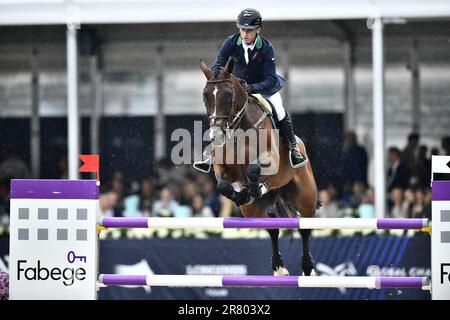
<point>400,282</point>
<point>118,279</point>
<point>259,281</point>
<point>139,222</point>
<point>399,223</point>
<point>264,223</point>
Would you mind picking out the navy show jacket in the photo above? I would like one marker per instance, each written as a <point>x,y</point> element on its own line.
<point>260,71</point>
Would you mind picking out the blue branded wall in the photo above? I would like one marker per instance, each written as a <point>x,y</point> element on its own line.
<point>345,256</point>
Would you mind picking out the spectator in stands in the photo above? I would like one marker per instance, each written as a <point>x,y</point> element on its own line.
<point>408,201</point>
<point>211,197</point>
<point>354,161</point>
<point>162,170</point>
<point>397,209</point>
<point>423,168</point>
<point>108,201</point>
<point>351,199</point>
<point>366,208</point>
<point>118,186</point>
<point>359,191</point>
<point>419,204</point>
<point>131,202</point>
<point>166,206</point>
<point>398,174</point>
<point>183,211</point>
<point>176,188</point>
<point>147,196</point>
<point>199,209</point>
<point>12,166</point>
<point>329,207</point>
<point>410,154</point>
<point>190,189</point>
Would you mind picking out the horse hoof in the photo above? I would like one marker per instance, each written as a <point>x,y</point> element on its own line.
<point>313,273</point>
<point>281,271</point>
<point>225,188</point>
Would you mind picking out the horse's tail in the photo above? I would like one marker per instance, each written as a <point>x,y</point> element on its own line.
<point>285,209</point>
<point>284,202</point>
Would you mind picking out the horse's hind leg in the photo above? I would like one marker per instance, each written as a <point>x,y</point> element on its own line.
<point>308,264</point>
<point>277,259</point>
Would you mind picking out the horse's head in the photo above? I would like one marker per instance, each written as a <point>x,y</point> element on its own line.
<point>225,99</point>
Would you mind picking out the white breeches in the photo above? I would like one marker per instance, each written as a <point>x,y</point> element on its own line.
<point>277,104</point>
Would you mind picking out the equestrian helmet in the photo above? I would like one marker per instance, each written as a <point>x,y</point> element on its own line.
<point>249,19</point>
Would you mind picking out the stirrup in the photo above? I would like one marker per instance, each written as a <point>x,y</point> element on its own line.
<point>199,165</point>
<point>301,164</point>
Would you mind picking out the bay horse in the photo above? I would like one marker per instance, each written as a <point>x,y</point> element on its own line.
<point>293,192</point>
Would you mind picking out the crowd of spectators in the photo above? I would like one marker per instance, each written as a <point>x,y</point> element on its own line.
<point>407,181</point>
<point>177,191</point>
<point>180,191</point>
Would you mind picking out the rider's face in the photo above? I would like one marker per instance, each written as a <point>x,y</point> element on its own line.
<point>249,35</point>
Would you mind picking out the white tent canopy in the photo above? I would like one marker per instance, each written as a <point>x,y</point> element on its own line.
<point>38,12</point>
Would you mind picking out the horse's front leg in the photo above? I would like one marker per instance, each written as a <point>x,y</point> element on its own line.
<point>238,196</point>
<point>253,175</point>
<point>236,193</point>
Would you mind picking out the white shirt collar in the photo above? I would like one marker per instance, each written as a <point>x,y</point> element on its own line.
<point>245,46</point>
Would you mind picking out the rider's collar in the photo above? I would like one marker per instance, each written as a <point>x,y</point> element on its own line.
<point>258,42</point>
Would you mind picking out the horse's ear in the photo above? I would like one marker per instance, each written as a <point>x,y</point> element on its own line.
<point>206,71</point>
<point>229,66</point>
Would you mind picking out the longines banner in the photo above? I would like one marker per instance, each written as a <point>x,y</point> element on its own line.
<point>385,255</point>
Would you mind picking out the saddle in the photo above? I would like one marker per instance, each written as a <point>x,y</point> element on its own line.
<point>266,107</point>
<point>264,103</point>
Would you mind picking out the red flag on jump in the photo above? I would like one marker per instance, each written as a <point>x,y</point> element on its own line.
<point>91,163</point>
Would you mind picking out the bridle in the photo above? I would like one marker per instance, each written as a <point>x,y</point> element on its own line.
<point>239,115</point>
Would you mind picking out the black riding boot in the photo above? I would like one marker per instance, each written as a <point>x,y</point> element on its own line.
<point>296,158</point>
<point>203,165</point>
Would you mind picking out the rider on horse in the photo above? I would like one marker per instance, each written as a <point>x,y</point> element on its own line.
<point>255,63</point>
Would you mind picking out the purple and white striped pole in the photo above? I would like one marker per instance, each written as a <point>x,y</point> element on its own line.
<point>264,281</point>
<point>264,223</point>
